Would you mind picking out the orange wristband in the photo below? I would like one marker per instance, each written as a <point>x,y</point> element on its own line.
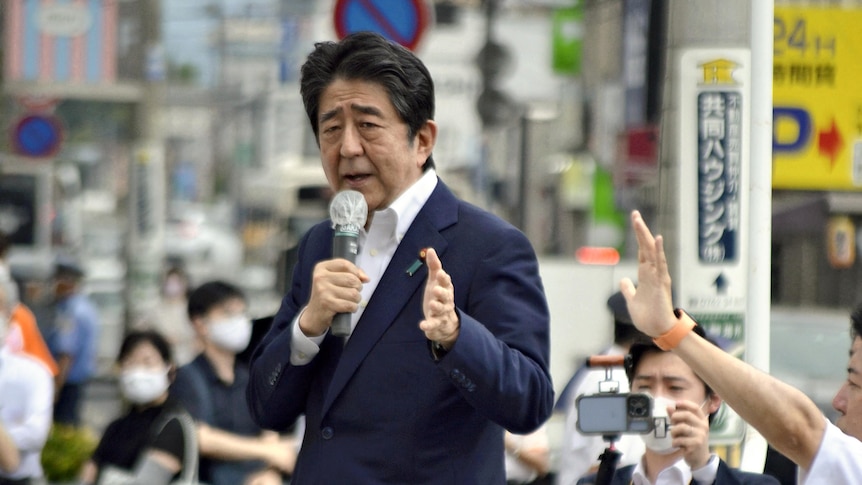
<point>670,339</point>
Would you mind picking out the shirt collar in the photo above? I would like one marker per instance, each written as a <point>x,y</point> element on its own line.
<point>407,206</point>
<point>679,472</point>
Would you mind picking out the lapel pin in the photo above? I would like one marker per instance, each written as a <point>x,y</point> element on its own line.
<point>418,263</point>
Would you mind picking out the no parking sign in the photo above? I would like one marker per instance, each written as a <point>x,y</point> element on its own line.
<point>403,22</point>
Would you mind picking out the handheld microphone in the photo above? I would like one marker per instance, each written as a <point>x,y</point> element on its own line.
<point>348,212</point>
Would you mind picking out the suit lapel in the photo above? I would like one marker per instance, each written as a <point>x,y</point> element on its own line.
<point>396,286</point>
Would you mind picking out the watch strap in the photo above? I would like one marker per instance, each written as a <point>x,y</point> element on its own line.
<point>670,339</point>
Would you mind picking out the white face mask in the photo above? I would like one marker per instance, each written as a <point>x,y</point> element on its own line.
<point>231,333</point>
<point>660,440</point>
<point>142,385</point>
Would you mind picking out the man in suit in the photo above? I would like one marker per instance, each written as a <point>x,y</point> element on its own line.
<point>677,451</point>
<point>449,339</point>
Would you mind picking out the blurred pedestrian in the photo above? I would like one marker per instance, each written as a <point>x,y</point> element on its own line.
<point>579,453</point>
<point>24,334</point>
<point>26,397</point>
<point>73,340</point>
<point>233,448</point>
<point>170,316</point>
<point>155,442</point>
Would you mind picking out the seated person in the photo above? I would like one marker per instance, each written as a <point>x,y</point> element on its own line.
<point>149,444</point>
<point>678,454</point>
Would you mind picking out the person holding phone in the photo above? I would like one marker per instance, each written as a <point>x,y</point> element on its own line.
<point>677,449</point>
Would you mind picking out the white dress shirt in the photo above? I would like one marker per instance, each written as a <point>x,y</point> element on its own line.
<point>26,406</point>
<point>376,248</point>
<point>678,474</point>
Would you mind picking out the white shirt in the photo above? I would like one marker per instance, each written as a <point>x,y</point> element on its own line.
<point>678,474</point>
<point>376,248</point>
<point>516,470</point>
<point>838,460</point>
<point>26,406</point>
<point>579,452</point>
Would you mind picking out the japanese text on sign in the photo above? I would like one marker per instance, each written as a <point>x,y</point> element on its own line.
<point>719,168</point>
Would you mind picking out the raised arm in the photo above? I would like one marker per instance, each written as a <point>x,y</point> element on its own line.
<point>788,420</point>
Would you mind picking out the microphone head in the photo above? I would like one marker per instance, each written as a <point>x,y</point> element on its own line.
<point>348,207</point>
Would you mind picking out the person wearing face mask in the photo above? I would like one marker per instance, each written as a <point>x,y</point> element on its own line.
<point>233,448</point>
<point>677,451</point>
<point>150,443</point>
<point>26,399</point>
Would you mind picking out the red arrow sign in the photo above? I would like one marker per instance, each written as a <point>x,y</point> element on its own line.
<point>830,143</point>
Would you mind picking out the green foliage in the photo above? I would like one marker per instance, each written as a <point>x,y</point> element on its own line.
<point>66,451</point>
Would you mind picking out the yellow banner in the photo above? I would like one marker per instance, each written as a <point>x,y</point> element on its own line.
<point>817,99</point>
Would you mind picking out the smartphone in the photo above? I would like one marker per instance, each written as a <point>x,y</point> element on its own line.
<point>609,414</point>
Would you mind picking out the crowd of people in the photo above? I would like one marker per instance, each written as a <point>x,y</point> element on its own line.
<point>444,374</point>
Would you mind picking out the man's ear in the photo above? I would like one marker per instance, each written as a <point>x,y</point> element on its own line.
<point>199,325</point>
<point>425,139</point>
<point>713,403</point>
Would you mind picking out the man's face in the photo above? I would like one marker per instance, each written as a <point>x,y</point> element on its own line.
<point>848,401</point>
<point>364,145</point>
<point>664,374</point>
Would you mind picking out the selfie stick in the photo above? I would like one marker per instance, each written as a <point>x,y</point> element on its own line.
<point>611,457</point>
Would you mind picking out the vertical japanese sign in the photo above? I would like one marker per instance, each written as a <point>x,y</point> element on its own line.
<point>714,166</point>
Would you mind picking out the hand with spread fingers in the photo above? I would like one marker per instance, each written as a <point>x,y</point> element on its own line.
<point>650,304</point>
<point>438,304</point>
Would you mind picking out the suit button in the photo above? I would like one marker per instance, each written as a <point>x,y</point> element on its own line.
<point>456,374</point>
<point>326,433</point>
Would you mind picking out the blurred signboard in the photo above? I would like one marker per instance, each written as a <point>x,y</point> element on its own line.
<point>567,35</point>
<point>817,120</point>
<point>24,205</point>
<point>714,92</point>
<point>71,42</point>
<point>403,22</point>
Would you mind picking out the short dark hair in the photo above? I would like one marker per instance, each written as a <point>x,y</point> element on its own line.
<point>136,337</point>
<point>645,346</point>
<point>856,322</point>
<point>5,244</point>
<point>367,56</point>
<point>210,295</point>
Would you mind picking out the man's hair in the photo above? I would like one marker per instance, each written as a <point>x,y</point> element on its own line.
<point>5,244</point>
<point>367,56</point>
<point>137,337</point>
<point>645,346</point>
<point>856,322</point>
<point>626,333</point>
<point>210,295</point>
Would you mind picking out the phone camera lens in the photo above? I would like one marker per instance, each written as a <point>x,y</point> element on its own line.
<point>638,406</point>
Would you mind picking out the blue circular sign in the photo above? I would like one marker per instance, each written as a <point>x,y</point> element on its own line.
<point>37,136</point>
<point>402,22</point>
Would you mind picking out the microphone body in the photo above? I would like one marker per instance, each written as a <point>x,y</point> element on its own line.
<point>345,244</point>
<point>348,212</point>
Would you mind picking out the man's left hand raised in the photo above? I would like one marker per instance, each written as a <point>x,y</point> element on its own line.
<point>441,323</point>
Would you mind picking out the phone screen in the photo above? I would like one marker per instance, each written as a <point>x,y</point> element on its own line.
<point>602,414</point>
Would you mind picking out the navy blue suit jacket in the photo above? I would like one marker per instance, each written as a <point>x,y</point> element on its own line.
<point>724,476</point>
<point>380,409</point>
